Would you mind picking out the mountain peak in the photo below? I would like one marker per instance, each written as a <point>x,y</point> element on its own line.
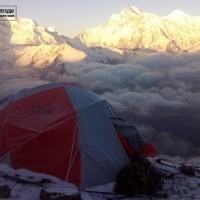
<point>51,29</point>
<point>136,10</point>
<point>132,11</point>
<point>133,28</point>
<point>178,13</point>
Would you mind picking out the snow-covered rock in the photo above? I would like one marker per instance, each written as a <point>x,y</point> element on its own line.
<point>25,184</point>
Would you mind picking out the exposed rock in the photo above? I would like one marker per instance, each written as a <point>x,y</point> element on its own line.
<point>59,194</point>
<point>5,191</point>
<point>138,178</point>
<point>187,170</point>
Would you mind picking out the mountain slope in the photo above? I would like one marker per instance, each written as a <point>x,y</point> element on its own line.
<point>135,29</point>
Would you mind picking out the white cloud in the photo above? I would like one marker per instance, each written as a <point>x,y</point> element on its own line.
<point>160,92</point>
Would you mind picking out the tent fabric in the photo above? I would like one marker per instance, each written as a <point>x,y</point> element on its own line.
<point>64,130</point>
<point>99,141</point>
<point>129,132</point>
<point>128,148</point>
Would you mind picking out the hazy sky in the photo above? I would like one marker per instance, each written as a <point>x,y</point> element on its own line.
<point>72,16</point>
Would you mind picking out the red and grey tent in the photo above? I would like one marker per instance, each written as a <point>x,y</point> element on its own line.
<point>67,131</point>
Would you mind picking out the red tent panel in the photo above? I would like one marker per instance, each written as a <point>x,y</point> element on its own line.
<point>50,153</point>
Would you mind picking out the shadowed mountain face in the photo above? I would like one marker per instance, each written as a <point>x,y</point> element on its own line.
<point>6,53</point>
<point>5,33</point>
<point>135,29</point>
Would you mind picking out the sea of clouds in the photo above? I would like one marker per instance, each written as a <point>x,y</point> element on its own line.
<point>158,93</point>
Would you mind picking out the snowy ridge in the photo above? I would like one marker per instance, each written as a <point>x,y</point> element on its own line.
<point>136,29</point>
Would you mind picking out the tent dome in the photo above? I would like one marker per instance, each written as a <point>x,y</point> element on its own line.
<point>64,130</point>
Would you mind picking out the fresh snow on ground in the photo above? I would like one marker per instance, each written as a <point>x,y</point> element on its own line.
<point>30,184</point>
<point>33,183</point>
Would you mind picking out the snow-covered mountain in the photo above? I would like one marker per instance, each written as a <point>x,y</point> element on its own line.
<point>26,44</point>
<point>135,29</point>
<point>25,31</point>
<point>23,43</point>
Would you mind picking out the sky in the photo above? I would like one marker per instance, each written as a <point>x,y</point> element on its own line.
<point>72,16</point>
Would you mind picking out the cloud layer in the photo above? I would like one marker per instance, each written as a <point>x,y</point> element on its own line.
<point>159,93</point>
